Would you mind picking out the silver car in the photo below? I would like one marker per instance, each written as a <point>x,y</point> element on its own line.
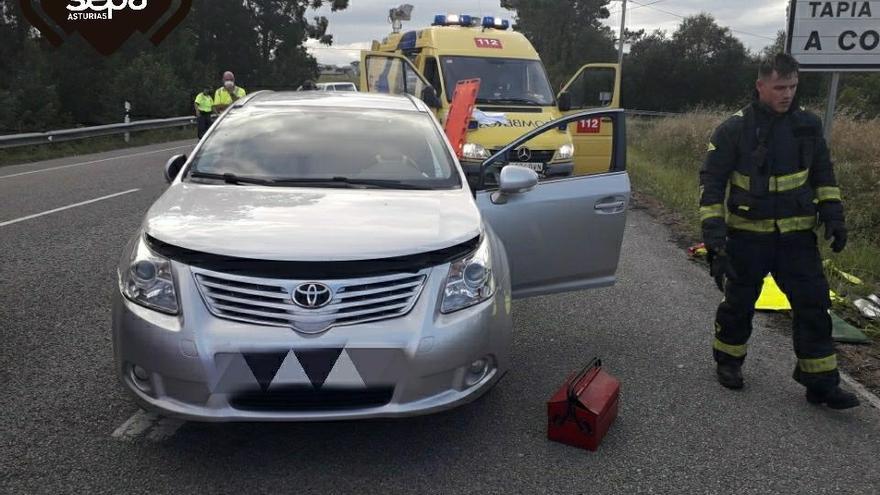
<point>289,273</point>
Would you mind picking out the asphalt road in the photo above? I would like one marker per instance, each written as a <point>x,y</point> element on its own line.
<point>678,432</point>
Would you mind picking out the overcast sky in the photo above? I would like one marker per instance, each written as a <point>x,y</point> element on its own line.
<point>755,21</point>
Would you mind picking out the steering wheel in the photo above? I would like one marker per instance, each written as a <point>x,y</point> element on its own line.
<point>406,160</point>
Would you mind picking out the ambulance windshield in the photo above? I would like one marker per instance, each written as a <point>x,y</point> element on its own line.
<point>504,81</point>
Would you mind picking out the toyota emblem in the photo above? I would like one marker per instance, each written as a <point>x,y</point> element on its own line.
<point>524,154</point>
<point>312,295</point>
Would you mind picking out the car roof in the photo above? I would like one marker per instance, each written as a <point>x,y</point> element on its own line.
<point>322,99</point>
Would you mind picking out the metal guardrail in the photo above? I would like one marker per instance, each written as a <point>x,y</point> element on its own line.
<point>16,140</point>
<point>34,138</point>
<point>651,113</point>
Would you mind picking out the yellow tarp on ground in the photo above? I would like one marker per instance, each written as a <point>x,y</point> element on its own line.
<point>773,299</point>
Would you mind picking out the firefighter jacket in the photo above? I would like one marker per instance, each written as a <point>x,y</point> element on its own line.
<point>779,172</point>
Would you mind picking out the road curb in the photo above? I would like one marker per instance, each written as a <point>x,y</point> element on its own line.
<point>860,389</point>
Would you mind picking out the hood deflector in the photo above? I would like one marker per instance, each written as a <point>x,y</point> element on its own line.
<point>311,270</point>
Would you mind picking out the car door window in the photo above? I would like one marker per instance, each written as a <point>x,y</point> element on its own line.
<point>432,74</point>
<point>593,88</point>
<point>392,75</point>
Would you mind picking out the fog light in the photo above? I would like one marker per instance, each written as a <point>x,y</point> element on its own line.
<point>141,378</point>
<point>140,373</point>
<point>478,366</point>
<point>477,370</point>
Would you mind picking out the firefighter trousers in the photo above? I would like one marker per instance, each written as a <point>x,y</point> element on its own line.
<point>794,261</point>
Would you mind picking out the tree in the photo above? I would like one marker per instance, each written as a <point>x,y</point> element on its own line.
<point>701,64</point>
<point>260,40</point>
<point>566,33</point>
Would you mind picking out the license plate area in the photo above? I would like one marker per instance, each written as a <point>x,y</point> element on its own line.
<point>536,166</point>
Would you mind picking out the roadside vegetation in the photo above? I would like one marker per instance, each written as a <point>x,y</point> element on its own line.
<point>28,154</point>
<point>666,154</point>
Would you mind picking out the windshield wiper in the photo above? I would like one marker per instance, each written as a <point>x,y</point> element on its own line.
<point>231,178</point>
<point>348,181</point>
<point>516,101</point>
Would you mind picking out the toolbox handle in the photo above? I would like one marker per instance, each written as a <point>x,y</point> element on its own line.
<point>572,398</point>
<point>573,393</point>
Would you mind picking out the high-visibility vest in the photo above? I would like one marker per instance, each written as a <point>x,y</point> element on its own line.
<point>204,102</point>
<point>222,96</point>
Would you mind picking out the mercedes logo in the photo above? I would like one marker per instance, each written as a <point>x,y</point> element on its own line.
<point>524,154</point>
<point>312,295</point>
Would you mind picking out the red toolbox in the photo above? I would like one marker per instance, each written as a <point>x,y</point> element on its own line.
<point>582,410</point>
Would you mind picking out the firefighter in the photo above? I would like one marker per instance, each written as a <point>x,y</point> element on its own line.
<point>228,94</point>
<point>773,157</point>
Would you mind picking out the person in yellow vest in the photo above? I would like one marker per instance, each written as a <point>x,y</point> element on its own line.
<point>204,106</point>
<point>228,94</point>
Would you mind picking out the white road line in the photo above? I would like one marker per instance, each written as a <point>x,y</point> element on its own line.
<point>165,429</point>
<point>134,426</point>
<point>91,162</point>
<point>56,210</point>
<point>156,428</point>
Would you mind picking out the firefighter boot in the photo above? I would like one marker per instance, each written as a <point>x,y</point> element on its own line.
<point>730,375</point>
<point>835,398</point>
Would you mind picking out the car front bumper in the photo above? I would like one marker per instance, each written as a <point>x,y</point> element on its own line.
<point>200,367</point>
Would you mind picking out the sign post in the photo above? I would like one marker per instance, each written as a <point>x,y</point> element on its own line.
<point>834,36</point>
<point>831,104</point>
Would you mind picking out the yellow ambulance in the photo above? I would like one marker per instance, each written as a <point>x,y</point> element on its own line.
<point>515,94</point>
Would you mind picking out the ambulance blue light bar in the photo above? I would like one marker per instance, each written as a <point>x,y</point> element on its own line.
<point>453,20</point>
<point>491,22</point>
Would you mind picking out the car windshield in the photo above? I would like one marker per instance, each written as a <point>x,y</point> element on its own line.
<point>502,80</point>
<point>327,148</point>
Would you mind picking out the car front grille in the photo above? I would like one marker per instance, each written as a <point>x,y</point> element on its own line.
<point>537,156</point>
<point>270,301</point>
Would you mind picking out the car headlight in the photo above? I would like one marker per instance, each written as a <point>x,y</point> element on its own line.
<point>145,278</point>
<point>474,151</point>
<point>470,280</point>
<point>565,152</point>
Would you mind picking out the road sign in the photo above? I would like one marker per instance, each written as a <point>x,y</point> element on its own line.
<point>834,36</point>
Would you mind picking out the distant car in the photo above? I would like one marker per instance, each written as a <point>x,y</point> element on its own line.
<point>336,86</point>
<point>287,274</point>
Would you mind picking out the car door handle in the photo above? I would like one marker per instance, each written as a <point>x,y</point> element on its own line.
<point>610,205</point>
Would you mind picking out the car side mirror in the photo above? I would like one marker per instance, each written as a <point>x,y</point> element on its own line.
<point>514,179</point>
<point>564,101</point>
<point>173,166</point>
<point>429,96</point>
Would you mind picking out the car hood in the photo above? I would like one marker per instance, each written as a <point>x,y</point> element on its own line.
<point>311,224</point>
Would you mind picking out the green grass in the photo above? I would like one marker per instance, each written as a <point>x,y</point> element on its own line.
<point>337,78</point>
<point>41,152</point>
<point>664,161</point>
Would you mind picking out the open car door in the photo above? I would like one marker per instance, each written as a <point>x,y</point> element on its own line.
<point>564,234</point>
<point>392,74</point>
<point>593,86</point>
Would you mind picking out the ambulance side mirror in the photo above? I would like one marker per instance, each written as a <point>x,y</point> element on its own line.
<point>429,96</point>
<point>564,101</point>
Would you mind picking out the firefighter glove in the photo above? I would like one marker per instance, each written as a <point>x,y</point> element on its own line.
<point>831,214</point>
<point>837,230</point>
<point>720,267</point>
